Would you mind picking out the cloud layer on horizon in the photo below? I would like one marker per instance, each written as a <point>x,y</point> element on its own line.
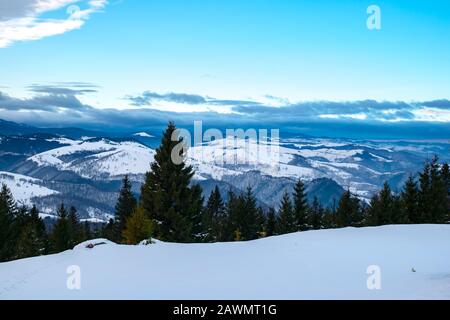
<point>59,104</point>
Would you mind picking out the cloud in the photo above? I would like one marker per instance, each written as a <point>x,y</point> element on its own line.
<point>59,105</point>
<point>21,20</point>
<point>68,88</point>
<point>148,97</point>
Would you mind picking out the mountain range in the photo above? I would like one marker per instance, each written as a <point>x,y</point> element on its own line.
<point>47,166</point>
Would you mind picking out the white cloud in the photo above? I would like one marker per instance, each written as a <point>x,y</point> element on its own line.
<point>22,21</point>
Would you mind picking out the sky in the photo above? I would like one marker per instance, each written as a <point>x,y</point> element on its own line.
<point>126,62</point>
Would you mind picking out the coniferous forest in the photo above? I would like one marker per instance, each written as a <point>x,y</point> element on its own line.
<point>171,208</point>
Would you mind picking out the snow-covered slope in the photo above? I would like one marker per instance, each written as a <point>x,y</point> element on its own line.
<point>328,264</point>
<point>98,158</point>
<point>24,188</point>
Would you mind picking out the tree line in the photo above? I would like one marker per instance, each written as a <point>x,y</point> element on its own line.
<point>171,208</point>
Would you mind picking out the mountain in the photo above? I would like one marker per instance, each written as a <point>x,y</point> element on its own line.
<point>412,261</point>
<point>13,128</point>
<point>87,171</point>
<point>25,189</point>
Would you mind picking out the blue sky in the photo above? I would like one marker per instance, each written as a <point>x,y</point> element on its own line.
<point>270,53</point>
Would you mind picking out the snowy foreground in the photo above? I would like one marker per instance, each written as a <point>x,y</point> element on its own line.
<point>330,264</point>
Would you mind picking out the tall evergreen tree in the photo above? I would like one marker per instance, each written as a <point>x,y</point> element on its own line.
<point>425,196</point>
<point>439,193</point>
<point>214,217</point>
<point>348,212</point>
<point>248,221</point>
<point>61,235</point>
<point>76,229</point>
<point>271,224</point>
<point>126,204</point>
<point>300,206</point>
<point>195,213</point>
<point>286,219</point>
<point>315,214</point>
<point>433,193</point>
<point>32,236</point>
<point>231,213</point>
<point>445,172</point>
<point>7,212</point>
<point>108,230</point>
<point>382,209</point>
<point>410,201</point>
<point>166,195</point>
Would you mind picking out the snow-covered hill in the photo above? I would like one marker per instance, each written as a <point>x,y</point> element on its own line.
<point>86,172</point>
<point>413,263</point>
<point>98,158</point>
<point>24,188</point>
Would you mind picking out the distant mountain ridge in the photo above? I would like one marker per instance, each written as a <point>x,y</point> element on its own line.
<point>86,171</point>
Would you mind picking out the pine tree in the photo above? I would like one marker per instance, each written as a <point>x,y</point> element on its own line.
<point>439,193</point>
<point>300,206</point>
<point>195,213</point>
<point>138,227</point>
<point>166,195</point>
<point>61,235</point>
<point>382,207</point>
<point>213,217</point>
<point>425,196</point>
<point>445,173</point>
<point>271,225</point>
<point>76,231</point>
<point>315,214</point>
<point>348,212</point>
<point>230,219</point>
<point>126,204</point>
<point>108,230</point>
<point>261,221</point>
<point>250,226</point>
<point>7,212</point>
<point>242,214</point>
<point>433,193</point>
<point>87,231</point>
<point>286,222</point>
<point>410,201</point>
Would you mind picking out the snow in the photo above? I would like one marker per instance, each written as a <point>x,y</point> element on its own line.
<point>24,188</point>
<point>143,134</point>
<point>327,264</point>
<point>100,159</point>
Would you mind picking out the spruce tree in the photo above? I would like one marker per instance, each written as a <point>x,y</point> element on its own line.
<point>300,206</point>
<point>271,225</point>
<point>108,230</point>
<point>166,195</point>
<point>7,212</point>
<point>410,201</point>
<point>286,221</point>
<point>425,196</point>
<point>348,213</point>
<point>445,173</point>
<point>76,230</point>
<point>230,219</point>
<point>243,216</point>
<point>61,235</point>
<point>125,206</point>
<point>250,226</point>
<point>382,209</point>
<point>439,193</point>
<point>138,227</point>
<point>213,217</point>
<point>433,193</point>
<point>315,214</point>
